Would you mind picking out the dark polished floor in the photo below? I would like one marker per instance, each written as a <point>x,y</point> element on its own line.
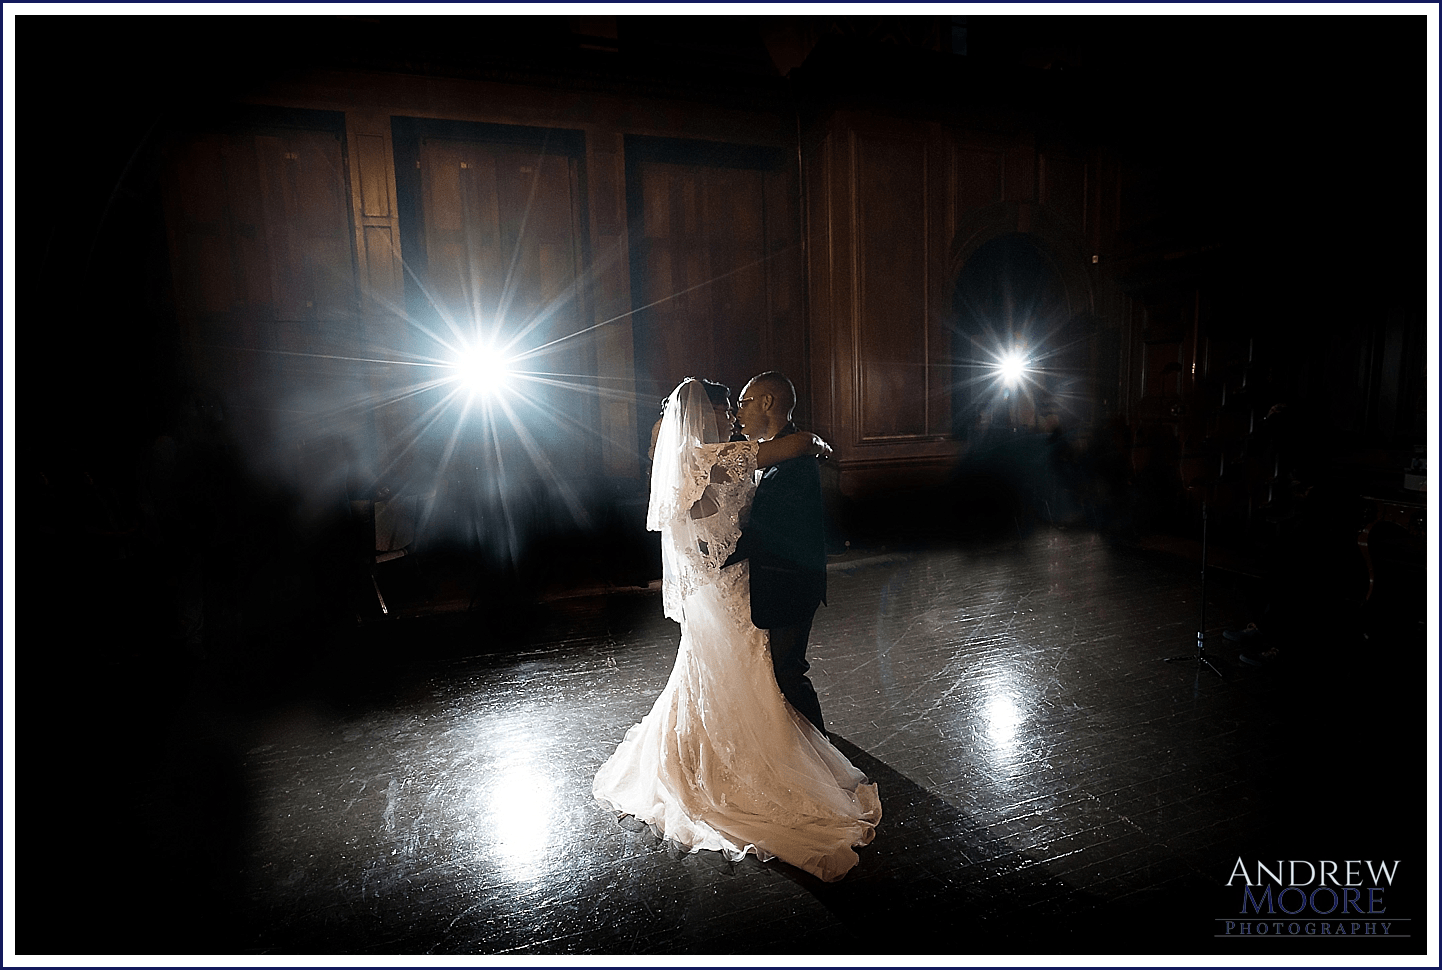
<point>1050,785</point>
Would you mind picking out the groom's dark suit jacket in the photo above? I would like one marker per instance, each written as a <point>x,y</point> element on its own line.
<point>786,543</point>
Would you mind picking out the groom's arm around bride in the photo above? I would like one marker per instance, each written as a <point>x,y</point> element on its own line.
<point>784,541</point>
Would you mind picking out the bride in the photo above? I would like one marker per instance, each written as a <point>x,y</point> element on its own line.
<point>722,761</point>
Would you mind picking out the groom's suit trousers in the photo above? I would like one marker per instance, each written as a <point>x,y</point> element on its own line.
<point>788,657</point>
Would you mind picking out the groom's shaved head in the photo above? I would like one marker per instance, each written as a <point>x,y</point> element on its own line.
<point>765,405</point>
<point>779,386</point>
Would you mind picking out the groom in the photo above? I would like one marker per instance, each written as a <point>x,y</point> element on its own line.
<point>785,541</point>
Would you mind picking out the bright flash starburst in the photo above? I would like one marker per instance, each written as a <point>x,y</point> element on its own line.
<point>1011,368</point>
<point>480,392</point>
<point>483,369</point>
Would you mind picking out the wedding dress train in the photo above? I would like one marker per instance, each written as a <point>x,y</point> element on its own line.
<point>723,761</point>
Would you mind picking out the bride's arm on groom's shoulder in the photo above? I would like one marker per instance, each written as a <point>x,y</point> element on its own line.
<point>802,444</point>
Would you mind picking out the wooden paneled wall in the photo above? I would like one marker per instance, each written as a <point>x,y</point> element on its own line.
<point>894,305</point>
<point>609,297</point>
<point>844,277</point>
<point>716,268</point>
<point>876,267</point>
<point>289,256</point>
<point>894,210</point>
<point>264,276</point>
<point>376,220</point>
<point>758,311</point>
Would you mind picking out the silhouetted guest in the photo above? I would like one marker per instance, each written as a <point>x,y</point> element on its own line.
<point>986,433</point>
<point>1106,485</point>
<point>986,487</point>
<point>1058,492</point>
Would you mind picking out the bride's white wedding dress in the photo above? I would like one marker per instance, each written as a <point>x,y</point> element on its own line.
<point>722,761</point>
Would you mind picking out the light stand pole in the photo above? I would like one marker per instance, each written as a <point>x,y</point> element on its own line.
<point>1201,657</point>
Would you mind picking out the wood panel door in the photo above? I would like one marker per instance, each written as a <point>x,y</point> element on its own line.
<point>500,266</point>
<point>263,267</point>
<point>716,273</point>
<point>503,256</point>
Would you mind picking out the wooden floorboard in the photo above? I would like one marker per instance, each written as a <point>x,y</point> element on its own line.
<point>1049,784</point>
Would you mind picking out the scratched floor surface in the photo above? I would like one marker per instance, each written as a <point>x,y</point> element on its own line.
<point>1049,784</point>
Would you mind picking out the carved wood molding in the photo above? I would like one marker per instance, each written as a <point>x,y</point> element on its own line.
<point>609,298</point>
<point>1061,245</point>
<point>890,296</point>
<point>374,214</point>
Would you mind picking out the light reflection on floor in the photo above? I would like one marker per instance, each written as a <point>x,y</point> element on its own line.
<point>519,805</point>
<point>1002,719</point>
<point>1012,706</point>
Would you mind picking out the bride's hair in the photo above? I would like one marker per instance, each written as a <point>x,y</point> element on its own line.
<point>680,474</point>
<point>719,394</point>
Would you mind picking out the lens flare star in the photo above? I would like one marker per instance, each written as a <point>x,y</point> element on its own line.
<point>481,391</point>
<point>482,369</point>
<point>1011,368</point>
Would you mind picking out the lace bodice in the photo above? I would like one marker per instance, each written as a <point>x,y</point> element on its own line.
<point>731,477</point>
<point>724,473</point>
